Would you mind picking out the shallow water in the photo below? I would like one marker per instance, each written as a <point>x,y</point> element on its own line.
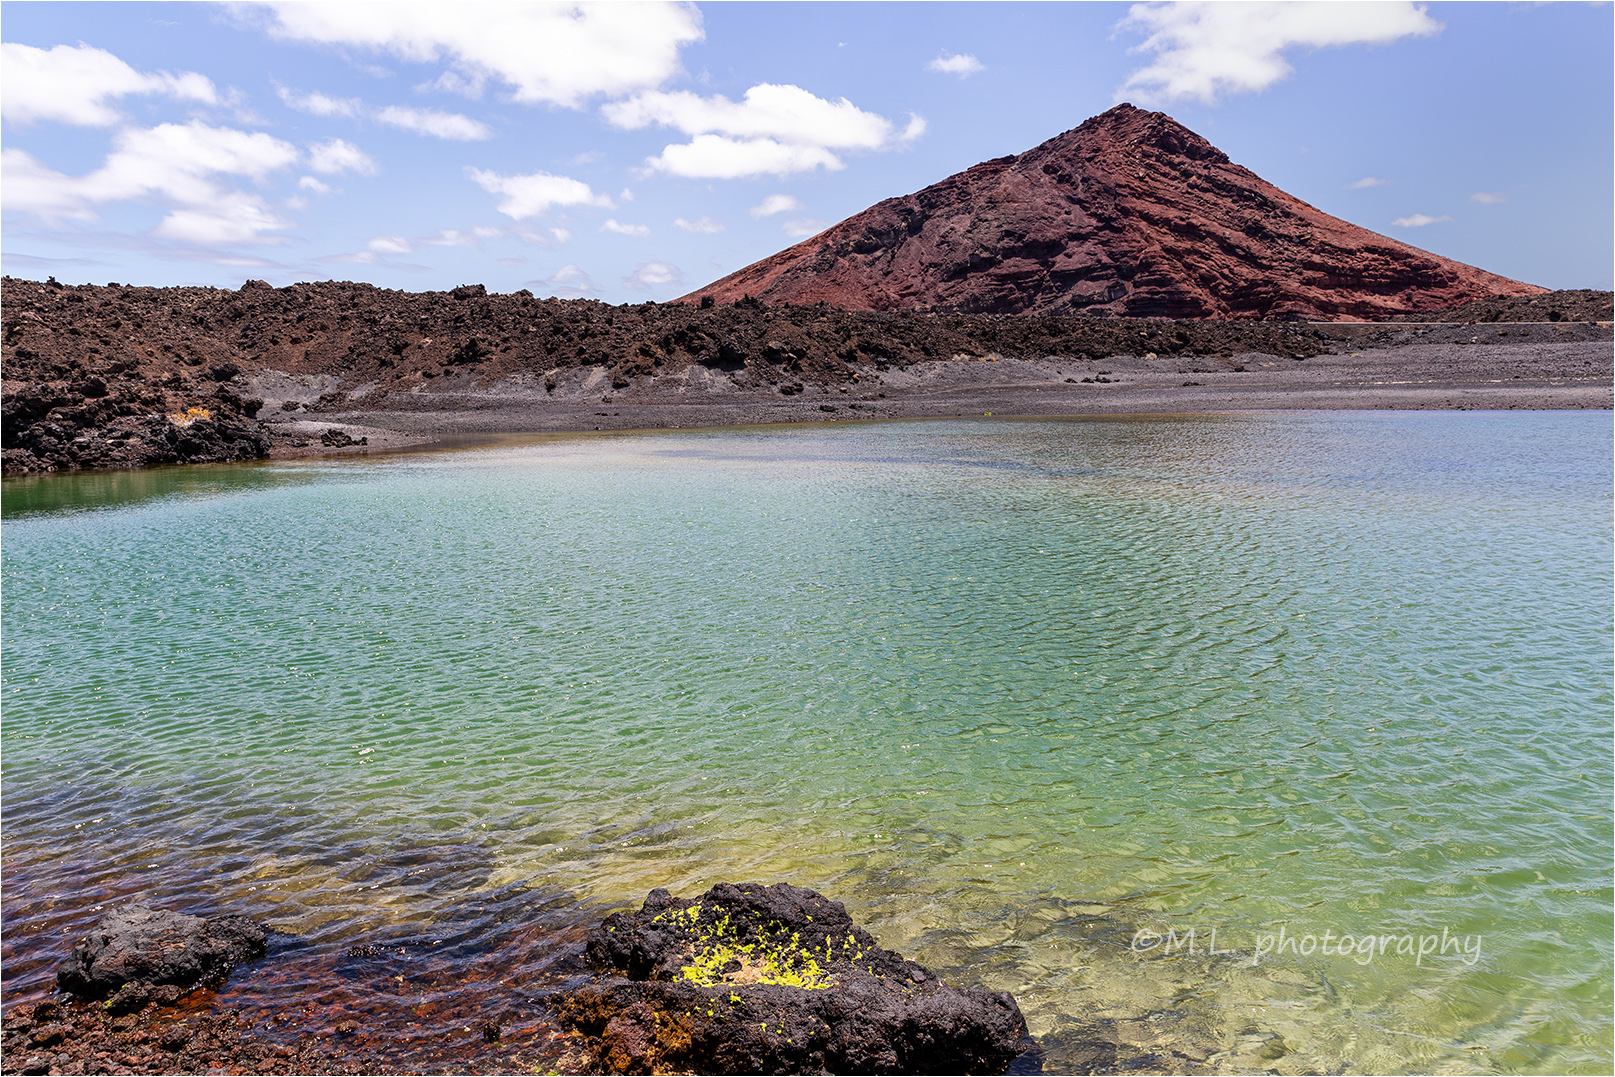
<point>1016,691</point>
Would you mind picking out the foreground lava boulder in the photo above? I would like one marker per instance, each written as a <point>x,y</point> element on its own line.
<point>749,978</point>
<point>1131,214</point>
<point>134,949</point>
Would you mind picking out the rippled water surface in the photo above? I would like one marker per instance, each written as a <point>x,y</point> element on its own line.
<point>1026,695</point>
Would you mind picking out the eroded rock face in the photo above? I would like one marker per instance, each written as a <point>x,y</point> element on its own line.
<point>749,978</point>
<point>143,946</point>
<point>1129,214</point>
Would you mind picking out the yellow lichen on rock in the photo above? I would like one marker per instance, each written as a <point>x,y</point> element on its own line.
<point>718,956</point>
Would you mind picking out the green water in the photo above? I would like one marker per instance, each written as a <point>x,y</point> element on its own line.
<point>1012,690</point>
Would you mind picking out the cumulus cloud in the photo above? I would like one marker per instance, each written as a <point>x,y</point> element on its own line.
<point>716,157</point>
<point>775,130</point>
<point>235,217</point>
<point>545,53</point>
<point>33,188</point>
<point>649,276</point>
<point>963,64</point>
<point>1366,182</point>
<point>334,156</point>
<point>775,203</point>
<point>1418,220</point>
<point>533,195</point>
<point>613,225</point>
<point>1488,198</point>
<point>429,121</point>
<point>1204,50</point>
<point>318,104</point>
<point>172,164</point>
<point>309,183</point>
<point>804,228</point>
<point>77,85</point>
<point>701,225</point>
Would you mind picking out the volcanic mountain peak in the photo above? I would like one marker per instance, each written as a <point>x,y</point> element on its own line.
<point>1130,213</point>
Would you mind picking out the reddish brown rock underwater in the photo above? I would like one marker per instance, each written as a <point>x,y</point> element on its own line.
<point>1130,214</point>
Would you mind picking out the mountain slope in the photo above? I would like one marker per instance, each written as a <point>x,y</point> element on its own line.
<point>1129,214</point>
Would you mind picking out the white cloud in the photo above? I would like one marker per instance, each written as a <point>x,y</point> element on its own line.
<point>547,53</point>
<point>454,237</point>
<point>173,164</point>
<point>561,234</point>
<point>1418,220</point>
<point>803,228</point>
<point>453,82</point>
<point>1366,182</point>
<point>334,156</point>
<point>420,121</point>
<point>175,161</point>
<point>964,65</point>
<point>76,84</point>
<point>789,113</point>
<point>319,104</point>
<point>613,225</point>
<point>716,157</point>
<point>428,121</point>
<point>569,282</point>
<point>1203,50</point>
<point>390,245</point>
<point>774,129</point>
<point>377,250</point>
<point>1488,198</point>
<point>236,217</point>
<point>775,203</point>
<point>33,188</point>
<point>649,276</point>
<point>533,195</point>
<point>309,183</point>
<point>701,225</point>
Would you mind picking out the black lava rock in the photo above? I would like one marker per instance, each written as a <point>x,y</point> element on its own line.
<point>136,944</point>
<point>776,979</point>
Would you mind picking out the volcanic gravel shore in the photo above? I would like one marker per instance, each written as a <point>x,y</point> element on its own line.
<point>116,376</point>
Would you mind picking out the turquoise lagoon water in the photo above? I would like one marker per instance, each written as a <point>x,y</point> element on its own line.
<point>1034,698</point>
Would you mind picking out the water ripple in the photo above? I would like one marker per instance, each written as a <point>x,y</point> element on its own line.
<point>1010,689</point>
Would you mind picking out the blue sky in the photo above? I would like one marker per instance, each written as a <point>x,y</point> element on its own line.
<point>638,151</point>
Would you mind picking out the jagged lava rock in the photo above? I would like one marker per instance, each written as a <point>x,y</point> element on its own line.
<point>1130,214</point>
<point>749,978</point>
<point>139,945</point>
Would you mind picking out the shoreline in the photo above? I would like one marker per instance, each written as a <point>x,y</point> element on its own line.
<point>132,377</point>
<point>1549,375</point>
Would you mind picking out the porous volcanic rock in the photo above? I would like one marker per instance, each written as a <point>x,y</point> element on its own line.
<point>139,945</point>
<point>749,978</point>
<point>1130,214</point>
<point>1570,305</point>
<point>119,376</point>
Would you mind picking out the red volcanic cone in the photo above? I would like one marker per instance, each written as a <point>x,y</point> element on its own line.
<point>1130,214</point>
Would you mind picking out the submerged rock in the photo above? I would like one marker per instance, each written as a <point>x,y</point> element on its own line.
<point>749,978</point>
<point>136,945</point>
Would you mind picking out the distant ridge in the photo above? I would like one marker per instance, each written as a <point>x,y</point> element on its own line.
<point>1130,214</point>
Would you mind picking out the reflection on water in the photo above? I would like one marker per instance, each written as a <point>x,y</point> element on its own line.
<point>26,495</point>
<point>1014,691</point>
